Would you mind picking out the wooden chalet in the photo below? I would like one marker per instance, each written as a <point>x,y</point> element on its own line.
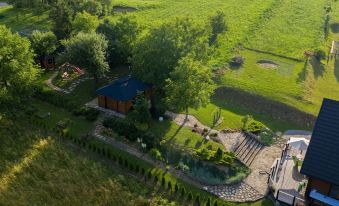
<point>321,163</point>
<point>120,94</point>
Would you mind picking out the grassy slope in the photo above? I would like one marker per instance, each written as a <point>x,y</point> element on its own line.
<point>295,26</point>
<point>153,12</point>
<point>23,20</point>
<point>40,171</point>
<point>44,171</point>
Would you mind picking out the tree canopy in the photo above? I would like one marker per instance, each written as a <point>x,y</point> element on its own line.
<point>121,37</point>
<point>189,85</point>
<point>87,50</point>
<point>43,43</point>
<point>140,113</point>
<point>17,69</point>
<point>158,53</point>
<point>85,22</point>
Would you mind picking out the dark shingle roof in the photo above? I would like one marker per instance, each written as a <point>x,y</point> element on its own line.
<point>322,157</point>
<point>124,89</point>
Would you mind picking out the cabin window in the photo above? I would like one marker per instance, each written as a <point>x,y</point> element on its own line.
<point>334,192</point>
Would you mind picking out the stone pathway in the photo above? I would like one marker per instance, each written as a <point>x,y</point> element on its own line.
<point>241,192</point>
<point>260,166</point>
<point>68,90</point>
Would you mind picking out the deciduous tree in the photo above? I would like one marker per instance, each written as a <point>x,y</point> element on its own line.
<point>43,43</point>
<point>87,50</point>
<point>121,36</point>
<point>17,69</point>
<point>158,53</point>
<point>189,85</point>
<point>85,22</point>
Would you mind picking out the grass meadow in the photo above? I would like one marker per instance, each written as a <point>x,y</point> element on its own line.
<point>277,28</point>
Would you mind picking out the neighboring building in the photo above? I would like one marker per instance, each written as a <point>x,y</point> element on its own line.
<point>120,94</point>
<point>321,164</point>
<point>47,62</point>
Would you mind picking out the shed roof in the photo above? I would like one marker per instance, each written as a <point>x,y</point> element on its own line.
<point>124,89</point>
<point>322,157</point>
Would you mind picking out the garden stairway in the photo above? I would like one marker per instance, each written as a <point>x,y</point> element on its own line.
<point>248,149</point>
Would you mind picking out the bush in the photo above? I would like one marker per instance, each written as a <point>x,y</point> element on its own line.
<point>237,61</point>
<point>156,154</point>
<point>176,188</point>
<point>183,191</point>
<point>215,203</point>
<point>163,181</point>
<point>189,197</point>
<point>208,203</point>
<point>267,136</point>
<point>169,186</point>
<point>197,200</point>
<point>251,125</point>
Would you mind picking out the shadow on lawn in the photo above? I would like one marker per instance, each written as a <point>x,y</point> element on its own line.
<point>268,111</point>
<point>336,69</point>
<point>318,68</point>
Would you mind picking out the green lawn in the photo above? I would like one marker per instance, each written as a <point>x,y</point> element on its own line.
<point>77,126</point>
<point>293,27</point>
<point>182,137</point>
<point>24,20</point>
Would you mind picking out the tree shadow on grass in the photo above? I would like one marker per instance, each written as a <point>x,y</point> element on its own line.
<point>303,74</point>
<point>335,27</point>
<point>318,68</point>
<point>271,113</point>
<point>336,69</point>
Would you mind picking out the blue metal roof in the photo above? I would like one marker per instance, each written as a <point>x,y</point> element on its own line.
<point>124,89</point>
<point>322,157</point>
<point>323,198</point>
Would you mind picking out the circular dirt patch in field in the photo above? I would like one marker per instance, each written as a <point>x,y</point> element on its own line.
<point>267,64</point>
<point>123,9</point>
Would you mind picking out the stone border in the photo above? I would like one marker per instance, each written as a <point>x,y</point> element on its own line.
<point>70,89</point>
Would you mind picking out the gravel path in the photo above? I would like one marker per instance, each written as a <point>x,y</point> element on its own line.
<point>70,89</point>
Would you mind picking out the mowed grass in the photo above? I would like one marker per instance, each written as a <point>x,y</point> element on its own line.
<point>293,27</point>
<point>181,137</point>
<point>279,83</point>
<point>241,16</point>
<point>24,20</point>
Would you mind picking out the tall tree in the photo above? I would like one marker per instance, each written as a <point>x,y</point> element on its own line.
<point>43,43</point>
<point>62,16</point>
<point>158,53</point>
<point>218,25</point>
<point>85,22</point>
<point>17,69</point>
<point>121,36</point>
<point>189,85</point>
<point>87,50</point>
<point>141,111</point>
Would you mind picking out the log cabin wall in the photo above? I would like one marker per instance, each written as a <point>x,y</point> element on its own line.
<point>102,101</point>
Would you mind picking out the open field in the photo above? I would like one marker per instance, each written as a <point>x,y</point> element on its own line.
<point>286,28</point>
<point>23,20</point>
<point>292,27</point>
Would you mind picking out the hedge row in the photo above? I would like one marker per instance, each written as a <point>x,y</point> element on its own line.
<point>128,130</point>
